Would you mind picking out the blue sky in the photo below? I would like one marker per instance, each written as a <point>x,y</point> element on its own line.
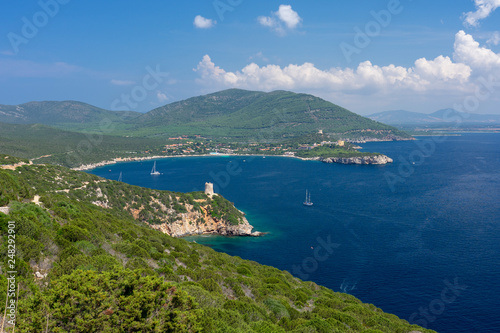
<point>367,56</point>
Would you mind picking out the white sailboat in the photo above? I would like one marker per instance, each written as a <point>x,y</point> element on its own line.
<point>308,201</point>
<point>154,172</point>
<point>120,178</point>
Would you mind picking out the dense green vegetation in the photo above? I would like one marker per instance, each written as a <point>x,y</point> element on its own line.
<point>70,148</point>
<point>234,113</point>
<point>332,151</point>
<point>258,117</point>
<point>6,160</point>
<point>151,206</point>
<point>66,114</point>
<point>109,272</point>
<point>248,120</point>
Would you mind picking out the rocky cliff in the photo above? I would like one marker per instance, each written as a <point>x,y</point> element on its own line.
<point>176,214</point>
<point>196,223</point>
<point>375,159</point>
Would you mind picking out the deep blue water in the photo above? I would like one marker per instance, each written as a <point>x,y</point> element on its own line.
<point>399,247</point>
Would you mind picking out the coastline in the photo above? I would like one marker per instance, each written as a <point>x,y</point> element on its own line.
<point>344,160</point>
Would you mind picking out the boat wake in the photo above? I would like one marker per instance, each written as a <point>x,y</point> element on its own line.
<point>348,286</point>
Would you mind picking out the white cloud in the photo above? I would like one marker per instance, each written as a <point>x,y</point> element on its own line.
<point>494,39</point>
<point>122,82</point>
<point>442,69</point>
<point>281,20</point>
<point>442,79</point>
<point>288,16</point>
<point>161,97</point>
<point>483,9</point>
<point>203,23</point>
<point>366,78</point>
<point>480,59</point>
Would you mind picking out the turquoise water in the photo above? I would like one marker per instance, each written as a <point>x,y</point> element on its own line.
<point>425,248</point>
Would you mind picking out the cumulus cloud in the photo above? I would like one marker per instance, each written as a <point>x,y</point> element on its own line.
<point>468,51</point>
<point>282,20</point>
<point>443,77</point>
<point>483,9</point>
<point>287,15</point>
<point>366,78</point>
<point>203,23</point>
<point>122,82</point>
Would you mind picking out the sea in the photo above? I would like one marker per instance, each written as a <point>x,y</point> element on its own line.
<point>419,238</point>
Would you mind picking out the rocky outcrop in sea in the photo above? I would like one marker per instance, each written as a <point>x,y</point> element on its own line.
<point>188,227</point>
<point>374,159</point>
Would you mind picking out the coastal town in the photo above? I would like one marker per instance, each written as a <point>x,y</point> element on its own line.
<point>185,145</point>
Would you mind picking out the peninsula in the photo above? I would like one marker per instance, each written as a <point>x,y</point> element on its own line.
<point>82,240</point>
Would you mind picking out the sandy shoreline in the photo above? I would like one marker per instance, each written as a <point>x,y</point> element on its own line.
<point>136,159</point>
<point>145,158</point>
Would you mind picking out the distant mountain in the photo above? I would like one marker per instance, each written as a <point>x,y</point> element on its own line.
<point>233,114</point>
<point>55,113</point>
<point>440,117</point>
<point>240,113</point>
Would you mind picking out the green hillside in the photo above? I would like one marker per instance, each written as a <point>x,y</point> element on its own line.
<point>85,268</point>
<point>232,114</point>
<point>247,115</point>
<point>70,148</point>
<point>66,114</point>
<point>199,109</point>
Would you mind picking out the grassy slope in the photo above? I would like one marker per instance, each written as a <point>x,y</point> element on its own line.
<point>69,148</point>
<point>272,115</point>
<point>108,272</point>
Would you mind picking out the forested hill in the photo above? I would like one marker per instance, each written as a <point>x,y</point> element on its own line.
<point>65,112</point>
<point>233,114</point>
<point>86,263</point>
<point>237,113</point>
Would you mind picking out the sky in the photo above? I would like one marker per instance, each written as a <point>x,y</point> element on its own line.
<point>367,55</point>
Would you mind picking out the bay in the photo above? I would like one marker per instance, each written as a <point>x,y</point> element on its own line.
<point>419,238</point>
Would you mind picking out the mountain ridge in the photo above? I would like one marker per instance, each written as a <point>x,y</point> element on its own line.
<point>442,116</point>
<point>57,112</point>
<point>232,113</point>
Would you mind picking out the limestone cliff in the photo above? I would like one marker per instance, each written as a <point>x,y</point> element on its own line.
<point>176,214</point>
<point>193,222</point>
<point>375,159</point>
<point>190,224</point>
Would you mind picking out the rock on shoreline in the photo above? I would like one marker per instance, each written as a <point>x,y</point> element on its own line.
<point>186,227</point>
<point>375,159</point>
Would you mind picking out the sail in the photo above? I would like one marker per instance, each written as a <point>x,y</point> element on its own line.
<point>308,199</point>
<point>153,171</point>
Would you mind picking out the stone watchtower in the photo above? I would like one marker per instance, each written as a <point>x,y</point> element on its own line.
<point>209,189</point>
